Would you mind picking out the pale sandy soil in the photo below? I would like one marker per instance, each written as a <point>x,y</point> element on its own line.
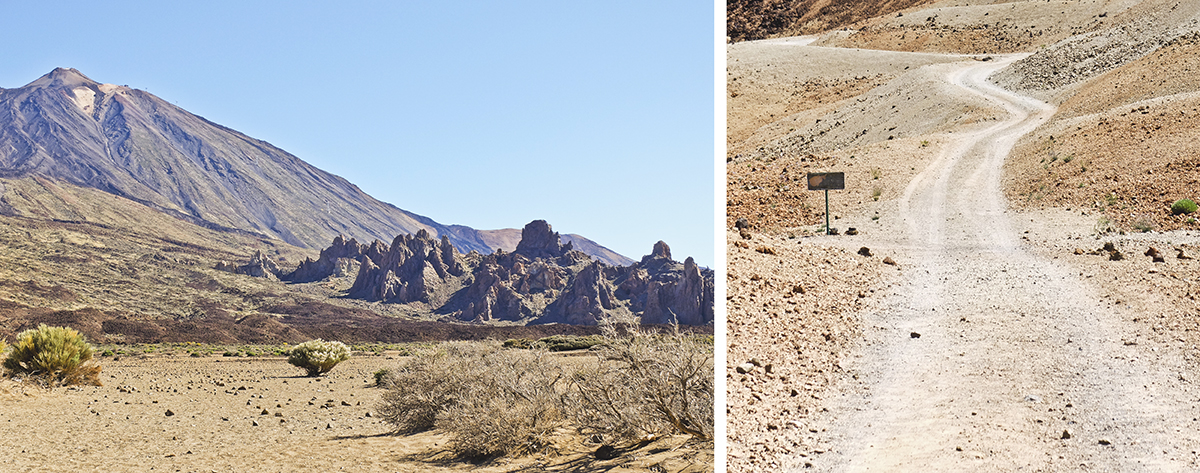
<point>1002,340</point>
<point>257,414</point>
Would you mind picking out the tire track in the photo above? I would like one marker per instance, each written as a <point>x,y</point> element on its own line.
<point>1013,349</point>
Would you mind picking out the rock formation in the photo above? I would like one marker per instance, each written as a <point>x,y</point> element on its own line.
<point>411,270</point>
<point>260,266</point>
<point>542,281</point>
<point>334,260</point>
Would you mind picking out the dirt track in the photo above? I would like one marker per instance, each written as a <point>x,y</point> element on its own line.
<point>1014,348</point>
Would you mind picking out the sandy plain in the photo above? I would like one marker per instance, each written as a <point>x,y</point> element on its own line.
<point>229,414</point>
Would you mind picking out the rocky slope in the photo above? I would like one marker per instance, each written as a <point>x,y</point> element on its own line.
<point>541,281</point>
<point>65,127</point>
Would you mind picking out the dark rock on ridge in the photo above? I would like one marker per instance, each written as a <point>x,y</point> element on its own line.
<point>411,270</point>
<point>543,281</point>
<point>260,266</point>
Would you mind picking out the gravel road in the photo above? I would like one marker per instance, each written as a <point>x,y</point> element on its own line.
<point>989,357</point>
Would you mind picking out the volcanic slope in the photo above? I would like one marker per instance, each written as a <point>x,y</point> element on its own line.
<point>127,142</point>
<point>1004,337</point>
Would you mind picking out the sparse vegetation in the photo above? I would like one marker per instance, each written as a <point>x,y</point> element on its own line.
<point>876,173</point>
<point>1144,224</point>
<point>876,192</point>
<point>55,355</point>
<point>493,400</point>
<point>507,401</point>
<point>1183,206</point>
<point>317,357</point>
<point>646,383</point>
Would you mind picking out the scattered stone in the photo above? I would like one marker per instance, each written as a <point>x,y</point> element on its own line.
<point>1066,434</point>
<point>1105,442</point>
<point>264,412</point>
<point>864,251</point>
<point>745,368</point>
<point>344,403</point>
<point>1116,256</point>
<point>744,234</point>
<point>766,250</point>
<point>889,261</point>
<point>756,362</point>
<point>852,231</point>
<point>742,224</point>
<point>833,231</point>
<point>1079,251</point>
<point>914,335</point>
<point>1182,254</point>
<point>797,289</point>
<point>254,423</point>
<point>606,452</point>
<point>741,244</point>
<point>169,413</point>
<point>1155,255</point>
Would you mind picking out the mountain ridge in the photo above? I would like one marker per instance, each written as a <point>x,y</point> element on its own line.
<point>132,144</point>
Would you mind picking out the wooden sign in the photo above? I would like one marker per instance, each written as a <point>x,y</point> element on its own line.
<point>818,181</point>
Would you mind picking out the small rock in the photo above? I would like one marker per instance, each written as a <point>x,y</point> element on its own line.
<point>833,231</point>
<point>1105,442</point>
<point>1066,434</point>
<point>756,362</point>
<point>1033,398</point>
<point>745,368</point>
<point>914,335</point>
<point>852,231</point>
<point>798,289</point>
<point>1116,256</point>
<point>606,452</point>
<point>1181,254</point>
<point>1155,255</point>
<point>344,403</point>
<point>1079,251</point>
<point>264,412</point>
<point>766,250</point>
<point>744,234</point>
<point>169,413</point>
<point>864,251</point>
<point>888,260</point>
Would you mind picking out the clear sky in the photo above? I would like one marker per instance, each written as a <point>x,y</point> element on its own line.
<point>597,116</point>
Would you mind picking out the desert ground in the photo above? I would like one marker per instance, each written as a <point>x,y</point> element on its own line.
<point>174,412</point>
<point>1003,332</point>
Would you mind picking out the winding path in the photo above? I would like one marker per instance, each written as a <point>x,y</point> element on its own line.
<point>1014,349</point>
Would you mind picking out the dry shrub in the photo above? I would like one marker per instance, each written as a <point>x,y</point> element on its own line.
<point>55,355</point>
<point>494,401</point>
<point>646,384</point>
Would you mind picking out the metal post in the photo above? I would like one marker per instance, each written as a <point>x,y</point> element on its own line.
<point>827,212</point>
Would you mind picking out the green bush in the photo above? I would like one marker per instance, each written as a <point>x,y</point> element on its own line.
<point>1183,206</point>
<point>317,357</point>
<point>570,342</point>
<point>59,355</point>
<point>383,378</point>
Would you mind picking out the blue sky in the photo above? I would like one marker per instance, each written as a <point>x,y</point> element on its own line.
<point>597,116</point>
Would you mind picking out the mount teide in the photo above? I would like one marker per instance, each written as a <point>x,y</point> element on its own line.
<point>130,143</point>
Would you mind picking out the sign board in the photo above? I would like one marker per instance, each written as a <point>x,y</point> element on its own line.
<point>826,181</point>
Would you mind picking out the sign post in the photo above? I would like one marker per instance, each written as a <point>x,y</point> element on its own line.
<point>826,181</point>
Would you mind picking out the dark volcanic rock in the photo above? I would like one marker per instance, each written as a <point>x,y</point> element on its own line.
<point>410,270</point>
<point>332,261</point>
<point>539,241</point>
<point>542,281</point>
<point>260,266</point>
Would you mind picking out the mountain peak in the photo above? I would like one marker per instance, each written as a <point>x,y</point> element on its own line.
<point>63,77</point>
